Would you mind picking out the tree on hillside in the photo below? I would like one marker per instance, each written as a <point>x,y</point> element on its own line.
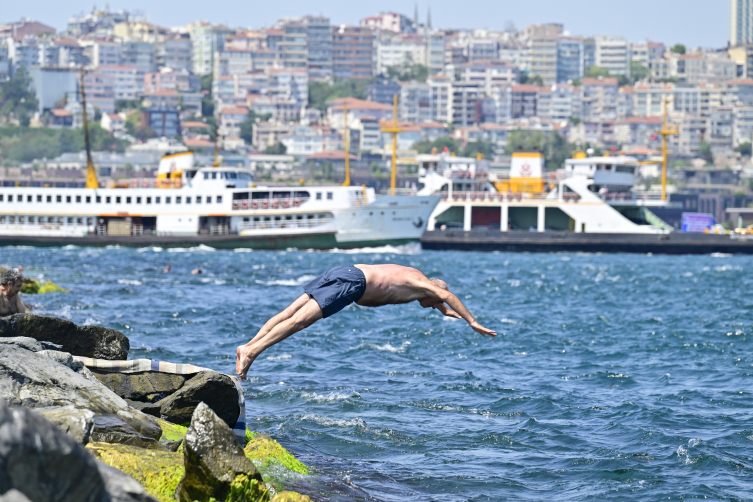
<point>247,127</point>
<point>16,99</point>
<point>678,49</point>
<point>276,149</point>
<point>526,78</point>
<point>597,71</point>
<point>321,93</point>
<point>704,151</point>
<point>744,148</point>
<point>638,71</point>
<point>408,71</point>
<point>553,146</point>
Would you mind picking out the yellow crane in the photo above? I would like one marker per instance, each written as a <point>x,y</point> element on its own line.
<point>394,130</point>
<point>666,130</point>
<point>346,135</point>
<point>91,173</point>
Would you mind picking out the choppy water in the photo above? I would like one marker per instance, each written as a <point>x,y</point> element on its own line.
<point>614,376</point>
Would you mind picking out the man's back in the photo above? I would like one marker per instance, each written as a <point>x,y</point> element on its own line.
<point>390,284</point>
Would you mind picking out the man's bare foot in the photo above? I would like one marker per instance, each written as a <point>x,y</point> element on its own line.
<point>244,358</point>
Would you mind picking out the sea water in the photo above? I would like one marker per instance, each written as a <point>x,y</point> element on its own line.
<point>620,377</point>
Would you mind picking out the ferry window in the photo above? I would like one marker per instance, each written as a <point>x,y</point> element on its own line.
<point>280,195</point>
<point>39,198</point>
<point>157,200</point>
<point>117,200</point>
<point>214,176</point>
<point>10,198</point>
<point>239,196</point>
<point>78,199</point>
<point>50,219</point>
<point>148,200</point>
<point>167,200</point>
<point>107,199</point>
<point>21,219</point>
<point>259,195</point>
<point>68,199</point>
<point>70,220</point>
<point>49,198</point>
<point>128,200</point>
<point>329,195</point>
<point>138,200</point>
<point>88,199</point>
<point>11,219</point>
<point>178,199</point>
<point>188,200</point>
<point>198,199</point>
<point>301,195</point>
<point>88,221</point>
<point>2,219</point>
<point>206,176</point>
<point>209,200</point>
<point>31,220</point>
<point>28,198</point>
<point>219,199</point>
<point>232,176</point>
<point>59,198</point>
<point>60,220</point>
<point>99,199</point>
<point>318,195</point>
<point>79,221</point>
<point>1,197</point>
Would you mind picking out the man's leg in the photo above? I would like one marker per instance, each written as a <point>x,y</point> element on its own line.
<point>302,318</point>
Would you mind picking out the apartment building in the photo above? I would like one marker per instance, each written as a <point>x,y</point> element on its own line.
<point>544,59</point>
<point>649,99</point>
<point>480,49</point>
<point>100,91</point>
<point>206,40</point>
<point>105,53</point>
<point>489,74</point>
<point>382,90</point>
<point>523,101</point>
<point>720,128</point>
<point>638,131</point>
<point>292,47</point>
<point>612,53</point>
<point>353,53</point>
<point>741,22</point>
<point>318,47</point>
<point>441,98</point>
<point>388,21</point>
<point>565,102</point>
<point>124,80</point>
<point>626,102</point>
<point>173,51</point>
<point>742,126</point>
<point>600,99</point>
<point>414,104</point>
<point>569,60</point>
<point>397,51</point>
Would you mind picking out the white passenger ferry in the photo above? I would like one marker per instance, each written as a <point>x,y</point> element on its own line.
<point>216,206</point>
<point>588,195</point>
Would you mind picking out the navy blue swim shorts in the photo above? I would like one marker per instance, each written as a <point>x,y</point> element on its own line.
<point>337,288</point>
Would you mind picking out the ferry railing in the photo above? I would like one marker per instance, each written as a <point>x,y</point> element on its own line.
<point>398,191</point>
<point>289,224</point>
<point>221,229</point>
<point>489,196</point>
<point>275,203</point>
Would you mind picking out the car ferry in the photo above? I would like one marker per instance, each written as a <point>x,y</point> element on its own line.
<point>216,206</point>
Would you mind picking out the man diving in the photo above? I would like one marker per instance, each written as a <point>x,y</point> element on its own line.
<point>366,285</point>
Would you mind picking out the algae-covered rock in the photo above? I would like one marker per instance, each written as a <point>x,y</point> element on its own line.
<point>86,341</point>
<point>42,462</point>
<point>30,286</point>
<point>290,497</point>
<point>51,287</point>
<point>213,461</point>
<point>262,448</point>
<point>137,386</point>
<point>159,472</point>
<point>35,381</point>
<point>214,389</point>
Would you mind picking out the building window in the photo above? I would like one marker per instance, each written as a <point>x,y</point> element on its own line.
<point>148,200</point>
<point>59,198</point>
<point>219,199</point>
<point>318,195</point>
<point>209,200</point>
<point>21,219</point>
<point>79,221</point>
<point>49,198</point>
<point>138,200</point>
<point>206,176</point>
<point>99,199</point>
<point>329,195</point>
<point>178,199</point>
<point>188,200</point>
<point>70,220</point>
<point>128,200</point>
<point>157,200</point>
<point>68,199</point>
<point>89,221</point>
<point>118,199</point>
<point>1,197</point>
<point>78,199</point>
<point>107,199</point>
<point>28,198</point>
<point>167,200</point>
<point>198,199</point>
<point>88,199</point>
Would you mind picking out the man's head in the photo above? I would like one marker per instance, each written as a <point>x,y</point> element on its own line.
<point>431,301</point>
<point>12,282</point>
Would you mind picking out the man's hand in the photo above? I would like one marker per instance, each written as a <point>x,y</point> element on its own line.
<point>480,329</point>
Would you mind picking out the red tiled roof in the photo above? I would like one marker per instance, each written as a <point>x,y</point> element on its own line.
<point>357,104</point>
<point>194,125</point>
<point>196,142</point>
<point>525,88</point>
<point>331,156</point>
<point>600,81</point>
<point>234,111</point>
<point>640,120</point>
<point>59,112</point>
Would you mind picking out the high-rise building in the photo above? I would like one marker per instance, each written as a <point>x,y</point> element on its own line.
<point>353,52</point>
<point>741,22</point>
<point>544,59</point>
<point>318,47</point>
<point>569,60</point>
<point>206,39</point>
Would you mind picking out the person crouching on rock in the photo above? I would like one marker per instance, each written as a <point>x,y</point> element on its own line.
<point>10,301</point>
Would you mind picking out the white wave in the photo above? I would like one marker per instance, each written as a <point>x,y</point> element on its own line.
<point>332,396</point>
<point>281,357</point>
<point>220,282</point>
<point>721,255</point>
<point>129,282</point>
<point>69,246</point>
<point>199,248</point>
<point>304,279</point>
<point>154,249</point>
<point>243,250</point>
<point>387,347</point>
<point>64,312</point>
<point>727,268</point>
<point>408,249</point>
<point>508,321</point>
<point>113,246</point>
<point>91,322</point>
<point>356,422</point>
<point>449,319</point>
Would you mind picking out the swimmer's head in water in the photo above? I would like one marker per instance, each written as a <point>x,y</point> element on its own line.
<point>432,302</point>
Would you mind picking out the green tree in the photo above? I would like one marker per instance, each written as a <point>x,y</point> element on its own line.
<point>638,71</point>
<point>21,144</point>
<point>473,148</point>
<point>408,71</point>
<point>247,127</point>
<point>206,83</point>
<point>575,121</point>
<point>745,148</point>
<point>704,150</point>
<point>276,149</point>
<point>527,78</point>
<point>16,98</point>
<point>127,104</point>
<point>597,71</point>
<point>553,146</point>
<point>426,146</point>
<point>678,49</point>
<point>321,93</point>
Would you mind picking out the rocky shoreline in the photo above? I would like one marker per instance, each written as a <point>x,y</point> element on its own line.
<point>80,422</point>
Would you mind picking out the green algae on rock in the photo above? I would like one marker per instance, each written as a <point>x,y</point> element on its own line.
<point>266,450</point>
<point>32,287</point>
<point>290,497</point>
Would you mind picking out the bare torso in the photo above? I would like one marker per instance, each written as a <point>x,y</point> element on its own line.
<point>10,306</point>
<point>390,284</point>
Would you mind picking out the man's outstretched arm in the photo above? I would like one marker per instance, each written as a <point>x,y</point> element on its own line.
<point>447,311</point>
<point>456,305</point>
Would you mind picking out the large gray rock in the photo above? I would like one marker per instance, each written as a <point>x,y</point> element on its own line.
<point>214,389</point>
<point>121,487</point>
<point>212,458</point>
<point>73,421</point>
<point>86,341</point>
<point>138,386</point>
<point>43,463</point>
<point>35,381</point>
<point>13,496</point>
